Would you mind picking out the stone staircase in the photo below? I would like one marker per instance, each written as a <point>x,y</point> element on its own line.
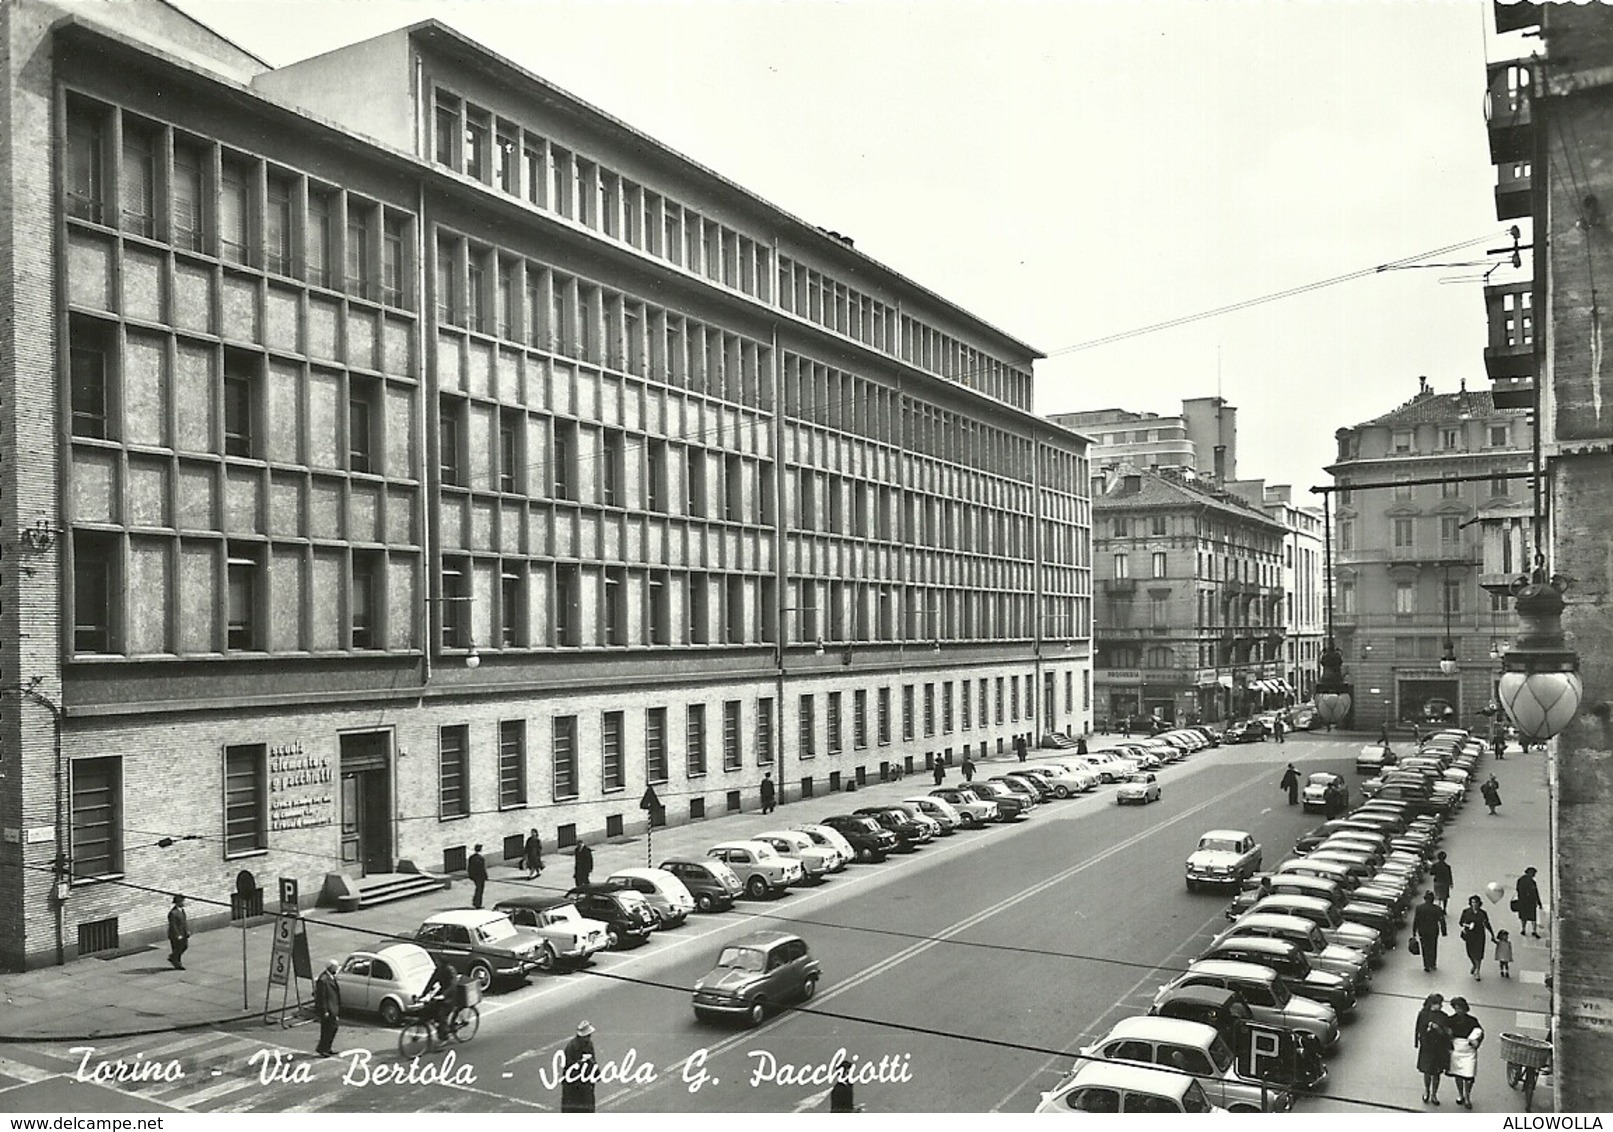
<point>349,894</point>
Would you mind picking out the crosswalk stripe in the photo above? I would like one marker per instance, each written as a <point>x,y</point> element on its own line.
<point>223,1088</point>
<point>27,1074</point>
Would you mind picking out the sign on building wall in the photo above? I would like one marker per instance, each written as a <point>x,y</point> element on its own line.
<point>299,788</point>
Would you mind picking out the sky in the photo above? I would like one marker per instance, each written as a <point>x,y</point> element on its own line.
<point>1073,170</point>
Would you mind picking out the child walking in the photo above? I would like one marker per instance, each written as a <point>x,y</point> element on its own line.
<point>1503,953</point>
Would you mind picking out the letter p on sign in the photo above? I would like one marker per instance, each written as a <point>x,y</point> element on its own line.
<point>1266,1053</point>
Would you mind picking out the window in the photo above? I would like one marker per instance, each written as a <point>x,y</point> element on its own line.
<point>1122,566</point>
<point>1450,438</point>
<point>512,606</point>
<point>511,763</point>
<point>506,168</point>
<point>87,373</point>
<point>655,763</point>
<point>697,610</point>
<point>1000,701</point>
<point>1402,489</point>
<point>476,294</point>
<point>568,630</point>
<point>907,712</point>
<point>1013,695</point>
<point>246,792</point>
<point>85,171</point>
<point>394,274</point>
<point>1453,596</point>
<point>455,604</point>
<point>1121,525</point>
<point>732,756</point>
<point>1449,488</point>
<point>1498,436</point>
<point>1159,563</point>
<point>615,599</point>
<point>358,271</point>
<point>859,718</point>
<point>929,710</point>
<point>450,455</point>
<point>1347,598</point>
<point>1404,533</point>
<point>964,701</point>
<point>1400,440</point>
<point>188,228</point>
<point>563,460</point>
<point>1499,484</point>
<point>695,740</point>
<point>1405,597</point>
<point>1346,534</point>
<point>946,708</point>
<point>1157,525</point>
<point>363,601</point>
<point>448,303</point>
<point>1450,529</point>
<point>565,756</point>
<point>234,217</point>
<point>242,619</point>
<point>764,731</point>
<point>93,555</point>
<point>453,784</point>
<point>277,230</point>
<point>695,479</point>
<point>613,770</point>
<point>240,409</point>
<point>611,469</point>
<point>655,472</point>
<point>807,738</point>
<point>446,122</point>
<point>658,616</point>
<point>476,144</point>
<point>832,723</point>
<point>97,817</point>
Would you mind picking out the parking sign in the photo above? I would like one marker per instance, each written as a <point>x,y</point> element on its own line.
<point>1266,1053</point>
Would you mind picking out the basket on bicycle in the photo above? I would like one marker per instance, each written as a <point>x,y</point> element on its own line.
<point>1521,1049</point>
<point>469,991</point>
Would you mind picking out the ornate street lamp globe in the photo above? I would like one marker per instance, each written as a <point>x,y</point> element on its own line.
<point>1448,665</point>
<point>1540,687</point>
<point>1333,697</point>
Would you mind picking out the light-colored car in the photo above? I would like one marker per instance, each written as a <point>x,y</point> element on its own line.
<point>1373,758</point>
<point>485,945</point>
<point>1186,1047</point>
<point>1140,788</point>
<point>1104,1088</point>
<point>816,860</point>
<point>1314,796</point>
<point>1109,767</point>
<point>1345,961</point>
<point>1267,993</point>
<point>668,896</point>
<point>569,937</point>
<point>945,824</point>
<point>973,809</point>
<point>829,838</point>
<point>1061,779</point>
<point>388,982</point>
<point>1024,791</point>
<point>940,810</point>
<point>1223,857</point>
<point>760,867</point>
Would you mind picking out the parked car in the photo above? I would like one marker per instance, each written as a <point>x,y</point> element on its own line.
<point>870,840</point>
<point>1313,798</point>
<point>1103,1088</point>
<point>669,898</point>
<point>1185,1047</point>
<point>388,981</point>
<point>1262,885</point>
<point>1291,963</point>
<point>1140,788</point>
<point>1028,793</point>
<point>1306,936</point>
<point>568,937</point>
<point>938,810</point>
<point>1108,766</point>
<point>628,918</point>
<point>1335,929</point>
<point>711,882</point>
<point>817,860</point>
<point>940,825</point>
<point>1304,718</point>
<point>1245,731</point>
<point>1227,1012</point>
<point>909,833</point>
<point>829,838</point>
<point>756,973</point>
<point>974,810</point>
<point>1063,780</point>
<point>1269,997</point>
<point>1223,857</point>
<point>1374,757</point>
<point>759,867</point>
<point>484,944</point>
<point>1010,806</point>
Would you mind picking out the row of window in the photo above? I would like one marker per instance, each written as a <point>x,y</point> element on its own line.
<point>1403,531</point>
<point>160,184</point>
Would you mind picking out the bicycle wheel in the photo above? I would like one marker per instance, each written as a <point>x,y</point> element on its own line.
<point>1530,1076</point>
<point>1514,1074</point>
<point>414,1039</point>
<point>467,1020</point>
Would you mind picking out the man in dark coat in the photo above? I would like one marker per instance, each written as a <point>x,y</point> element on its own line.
<point>940,771</point>
<point>841,1096</point>
<point>532,855</point>
<point>584,865</point>
<point>1277,730</point>
<point>328,1005</point>
<point>1081,745</point>
<point>1021,748</point>
<point>581,1066</point>
<point>476,870</point>
<point>968,768</point>
<point>769,793</point>
<point>178,934</point>
<point>1428,924</point>
<point>1290,783</point>
<point>1528,903</point>
<point>1491,790</point>
<point>1440,873</point>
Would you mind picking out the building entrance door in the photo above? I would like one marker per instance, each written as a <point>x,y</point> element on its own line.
<point>1049,702</point>
<point>367,801</point>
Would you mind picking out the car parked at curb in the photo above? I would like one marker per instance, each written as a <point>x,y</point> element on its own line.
<point>1268,994</point>
<point>486,945</point>
<point>387,981</point>
<point>942,825</point>
<point>1328,917</point>
<point>1185,1047</point>
<point>760,868</point>
<point>1064,781</point>
<point>1029,796</point>
<point>1292,964</point>
<point>870,840</point>
<point>1303,934</point>
<point>974,810</point>
<point>569,938</point>
<point>1227,1012</point>
<point>757,973</point>
<point>1010,806</point>
<point>669,898</point>
<point>711,882</point>
<point>1103,1088</point>
<point>829,838</point>
<point>910,834</point>
<point>818,861</point>
<point>937,809</point>
<point>628,918</point>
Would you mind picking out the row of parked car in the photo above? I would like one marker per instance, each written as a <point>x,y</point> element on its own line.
<point>1298,955</point>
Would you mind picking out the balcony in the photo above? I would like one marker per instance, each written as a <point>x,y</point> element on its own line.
<point>1513,393</point>
<point>1120,587</point>
<point>1514,190</point>
<point>1508,110</point>
<point>1509,313</point>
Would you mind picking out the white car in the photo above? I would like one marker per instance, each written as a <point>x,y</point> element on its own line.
<point>1223,857</point>
<point>937,824</point>
<point>1108,767</point>
<point>1314,795</point>
<point>670,899</point>
<point>1140,788</point>
<point>388,982</point>
<point>939,810</point>
<point>1109,1087</point>
<point>794,843</point>
<point>828,837</point>
<point>973,809</point>
<point>760,867</point>
<point>1063,780</point>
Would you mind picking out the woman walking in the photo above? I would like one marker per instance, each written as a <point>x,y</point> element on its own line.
<point>1466,1037</point>
<point>1432,1037</point>
<point>1491,790</point>
<point>1476,932</point>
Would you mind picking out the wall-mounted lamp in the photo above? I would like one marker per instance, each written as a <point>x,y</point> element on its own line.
<point>818,651</point>
<point>40,536</point>
<point>1540,685</point>
<point>473,658</point>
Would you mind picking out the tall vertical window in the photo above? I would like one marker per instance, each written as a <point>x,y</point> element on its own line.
<point>137,181</point>
<point>946,708</point>
<point>764,731</point>
<point>1000,701</point>
<point>831,721</point>
<point>246,794</point>
<point>612,459</point>
<point>1122,566</point>
<point>318,238</point>
<point>808,730</point>
<point>448,304</point>
<point>240,405</point>
<point>359,272</point>
<point>87,373</point>
<point>1013,697</point>
<point>655,474</point>
<point>563,460</point>
<point>929,710</point>
<point>907,711</point>
<point>859,718</point>
<point>476,294</point>
<point>394,272</point>
<point>615,598</point>
<point>964,700</point>
<point>612,768</point>
<point>363,415</point>
<point>1450,529</point>
<point>1499,484</point>
<point>695,481</point>
<point>446,123</point>
<point>512,607</point>
<point>450,457</point>
<point>93,591</point>
<point>453,782</point>
<point>97,816</point>
<point>883,711</point>
<point>234,216</point>
<point>511,763</point>
<point>363,601</point>
<point>277,230</point>
<point>476,144</point>
<point>1404,533</point>
<point>85,165</point>
<point>658,611</point>
<point>242,629</point>
<point>563,749</point>
<point>695,740</point>
<point>568,627</point>
<point>455,604</point>
<point>1402,490</point>
<point>506,161</point>
<point>1159,563</point>
<point>508,300</point>
<point>189,228</point>
<point>698,610</point>
<point>655,762</point>
<point>1405,597</point>
<point>1453,596</point>
<point>732,756</point>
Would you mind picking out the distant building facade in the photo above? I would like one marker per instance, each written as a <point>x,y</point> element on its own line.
<point>1203,439</point>
<point>1304,621</point>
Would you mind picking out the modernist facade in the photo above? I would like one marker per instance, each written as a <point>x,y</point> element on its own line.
<point>1409,552</point>
<point>408,454</point>
<point>1190,603</point>
<point>1203,439</point>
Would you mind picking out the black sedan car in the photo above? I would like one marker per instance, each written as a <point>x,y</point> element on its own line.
<point>909,833</point>
<point>870,840</point>
<point>625,913</point>
<point>1245,731</point>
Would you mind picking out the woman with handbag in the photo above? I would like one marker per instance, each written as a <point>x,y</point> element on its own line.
<point>1432,1037</point>
<point>1476,932</point>
<point>1466,1037</point>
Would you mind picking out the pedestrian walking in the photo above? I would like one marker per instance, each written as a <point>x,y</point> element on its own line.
<point>968,769</point>
<point>1290,783</point>
<point>1491,790</point>
<point>1427,925</point>
<point>1383,736</point>
<point>1466,1037</point>
<point>178,933</point>
<point>1277,730</point>
<point>1021,748</point>
<point>532,855</point>
<point>583,865</point>
<point>328,1005</point>
<point>1501,748</point>
<point>581,1070</point>
<point>1476,931</point>
<point>841,1096</point>
<point>1527,903</point>
<point>1503,952</point>
<point>940,770</point>
<point>1416,735</point>
<point>769,793</point>
<point>1431,1036</point>
<point>1440,872</point>
<point>476,870</point>
<point>1334,801</point>
<point>1125,727</point>
<point>1081,745</point>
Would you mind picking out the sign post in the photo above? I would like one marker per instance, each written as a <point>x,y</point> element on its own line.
<point>288,958</point>
<point>1268,1055</point>
<point>651,805</point>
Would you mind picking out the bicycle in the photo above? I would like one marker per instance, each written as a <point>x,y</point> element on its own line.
<point>421,1035</point>
<point>1527,1058</point>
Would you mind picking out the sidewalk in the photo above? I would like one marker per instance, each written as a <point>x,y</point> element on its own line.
<point>140,993</point>
<point>1375,1060</point>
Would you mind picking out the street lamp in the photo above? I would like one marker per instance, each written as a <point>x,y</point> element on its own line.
<point>1333,697</point>
<point>1540,685</point>
<point>1447,663</point>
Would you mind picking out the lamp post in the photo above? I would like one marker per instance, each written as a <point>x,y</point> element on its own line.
<point>1540,685</point>
<point>1333,697</point>
<point>1447,662</point>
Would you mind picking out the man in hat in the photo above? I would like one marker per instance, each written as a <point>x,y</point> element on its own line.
<point>178,933</point>
<point>328,1005</point>
<point>1290,783</point>
<point>476,870</point>
<point>581,1066</point>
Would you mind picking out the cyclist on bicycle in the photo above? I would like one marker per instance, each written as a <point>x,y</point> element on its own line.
<point>439,996</point>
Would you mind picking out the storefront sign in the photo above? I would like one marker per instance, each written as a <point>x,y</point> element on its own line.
<point>299,788</point>
<point>1120,675</point>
